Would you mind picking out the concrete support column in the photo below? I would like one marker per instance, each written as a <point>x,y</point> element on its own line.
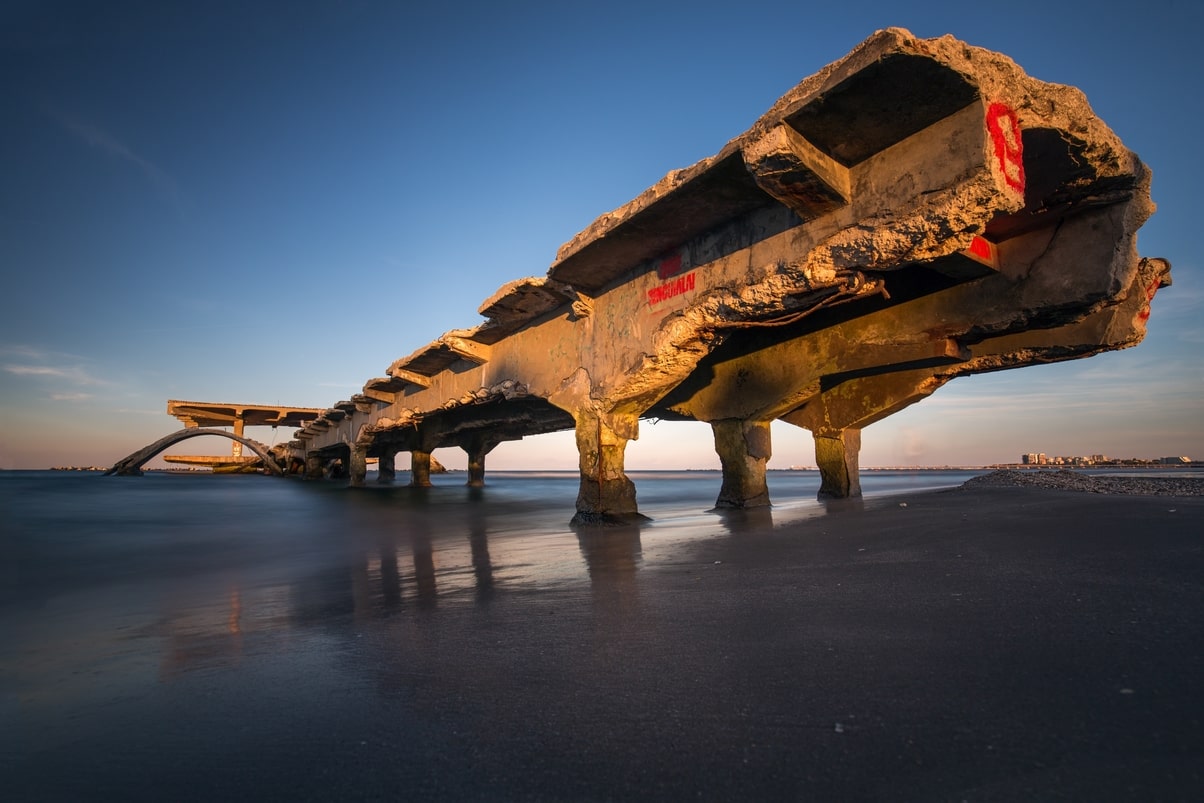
<point>385,465</point>
<point>315,467</point>
<point>744,449</point>
<point>235,446</point>
<point>606,494</point>
<point>358,467</point>
<point>476,447</point>
<point>420,469</point>
<point>836,456</point>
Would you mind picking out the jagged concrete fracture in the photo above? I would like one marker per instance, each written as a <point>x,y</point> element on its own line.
<point>918,210</point>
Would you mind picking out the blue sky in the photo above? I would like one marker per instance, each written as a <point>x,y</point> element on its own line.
<point>270,204</point>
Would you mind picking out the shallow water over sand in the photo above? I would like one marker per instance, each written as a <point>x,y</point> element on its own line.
<point>235,637</point>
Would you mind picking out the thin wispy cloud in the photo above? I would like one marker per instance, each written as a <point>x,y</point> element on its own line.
<point>21,351</point>
<point>96,137</point>
<point>70,396</point>
<point>74,373</point>
<point>34,370</point>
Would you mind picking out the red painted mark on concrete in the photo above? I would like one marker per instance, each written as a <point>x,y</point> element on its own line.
<point>669,266</point>
<point>671,289</point>
<point>1143,315</point>
<point>982,249</point>
<point>1004,128</point>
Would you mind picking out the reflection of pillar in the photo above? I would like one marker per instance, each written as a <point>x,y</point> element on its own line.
<point>235,446</point>
<point>613,557</point>
<point>420,469</point>
<point>606,493</point>
<point>477,446</point>
<point>478,542</point>
<point>836,456</point>
<point>744,449</point>
<point>359,464</point>
<point>424,566</point>
<point>390,576</point>
<point>386,464</point>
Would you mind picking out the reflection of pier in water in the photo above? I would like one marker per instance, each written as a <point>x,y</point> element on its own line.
<point>420,562</point>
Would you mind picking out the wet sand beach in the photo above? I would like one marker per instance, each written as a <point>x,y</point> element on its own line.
<point>985,643</point>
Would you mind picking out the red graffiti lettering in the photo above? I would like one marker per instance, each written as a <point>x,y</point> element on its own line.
<point>1004,128</point>
<point>671,289</point>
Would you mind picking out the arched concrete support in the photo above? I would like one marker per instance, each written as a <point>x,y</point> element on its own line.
<point>338,467</point>
<point>606,495</point>
<point>132,465</point>
<point>358,464</point>
<point>477,446</point>
<point>386,465</point>
<point>744,448</point>
<point>836,456</point>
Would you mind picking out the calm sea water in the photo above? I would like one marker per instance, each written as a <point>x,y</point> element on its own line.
<point>161,632</point>
<point>63,531</point>
<point>66,532</point>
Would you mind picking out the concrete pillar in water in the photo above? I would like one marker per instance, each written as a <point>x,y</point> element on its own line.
<point>477,446</point>
<point>315,467</point>
<point>386,464</point>
<point>836,456</point>
<point>744,449</point>
<point>606,495</point>
<point>358,467</point>
<point>420,469</point>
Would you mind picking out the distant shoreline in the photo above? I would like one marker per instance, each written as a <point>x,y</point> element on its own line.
<point>1194,465</point>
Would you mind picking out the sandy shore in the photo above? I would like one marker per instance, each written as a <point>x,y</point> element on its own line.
<point>984,643</point>
<point>1068,480</point>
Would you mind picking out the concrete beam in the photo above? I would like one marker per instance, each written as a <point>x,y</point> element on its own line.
<point>411,377</point>
<point>796,173</point>
<point>467,349</point>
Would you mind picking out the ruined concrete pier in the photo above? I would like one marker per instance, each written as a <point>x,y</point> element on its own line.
<point>917,211</point>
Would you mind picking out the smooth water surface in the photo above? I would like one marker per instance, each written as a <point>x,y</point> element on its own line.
<point>216,637</point>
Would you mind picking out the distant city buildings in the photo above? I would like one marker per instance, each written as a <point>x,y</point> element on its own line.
<point>1041,459</point>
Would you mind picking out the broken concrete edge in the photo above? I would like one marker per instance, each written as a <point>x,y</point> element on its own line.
<point>995,77</point>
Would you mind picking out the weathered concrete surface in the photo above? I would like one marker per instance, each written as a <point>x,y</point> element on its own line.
<point>916,211</point>
<point>224,414</point>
